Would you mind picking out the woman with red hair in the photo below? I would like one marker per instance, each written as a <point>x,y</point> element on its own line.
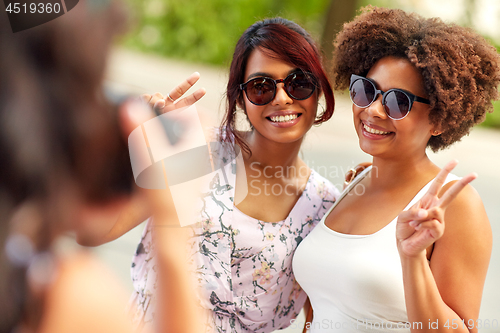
<point>242,249</point>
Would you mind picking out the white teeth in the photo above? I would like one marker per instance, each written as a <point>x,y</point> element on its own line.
<point>373,131</point>
<point>281,119</point>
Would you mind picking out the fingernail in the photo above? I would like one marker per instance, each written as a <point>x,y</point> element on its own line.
<point>160,104</point>
<point>200,92</point>
<point>422,213</point>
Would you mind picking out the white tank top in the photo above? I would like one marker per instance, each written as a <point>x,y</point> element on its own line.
<point>354,282</point>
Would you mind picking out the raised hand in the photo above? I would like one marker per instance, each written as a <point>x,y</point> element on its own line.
<point>423,224</point>
<point>354,172</point>
<point>172,100</point>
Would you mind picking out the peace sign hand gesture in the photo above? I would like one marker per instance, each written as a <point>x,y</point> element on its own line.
<point>423,224</point>
<point>173,100</point>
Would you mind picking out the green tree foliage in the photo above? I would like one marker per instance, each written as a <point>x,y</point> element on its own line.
<point>207,30</point>
<point>493,119</point>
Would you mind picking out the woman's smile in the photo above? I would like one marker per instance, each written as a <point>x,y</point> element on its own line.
<point>284,118</point>
<point>374,132</point>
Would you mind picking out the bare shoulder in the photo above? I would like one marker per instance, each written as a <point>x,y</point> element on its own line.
<point>466,211</point>
<point>85,297</point>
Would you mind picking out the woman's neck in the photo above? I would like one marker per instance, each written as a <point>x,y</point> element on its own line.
<point>390,173</point>
<point>274,154</point>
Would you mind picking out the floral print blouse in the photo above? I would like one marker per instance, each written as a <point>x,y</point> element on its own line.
<point>243,266</point>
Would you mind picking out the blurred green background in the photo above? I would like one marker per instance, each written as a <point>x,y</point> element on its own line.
<point>205,31</point>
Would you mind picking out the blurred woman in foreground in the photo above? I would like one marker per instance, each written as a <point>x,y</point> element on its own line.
<point>65,167</point>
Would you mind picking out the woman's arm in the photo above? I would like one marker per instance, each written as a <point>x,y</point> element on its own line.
<point>84,297</point>
<point>308,312</point>
<point>101,224</point>
<point>449,290</point>
<point>461,257</point>
<point>105,223</point>
<point>176,299</point>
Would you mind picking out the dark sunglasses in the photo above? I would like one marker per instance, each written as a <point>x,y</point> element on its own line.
<point>397,102</point>
<point>262,90</point>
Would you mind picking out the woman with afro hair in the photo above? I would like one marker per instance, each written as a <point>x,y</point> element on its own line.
<point>383,259</point>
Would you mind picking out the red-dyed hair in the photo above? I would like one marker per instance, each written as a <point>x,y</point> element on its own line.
<point>286,41</point>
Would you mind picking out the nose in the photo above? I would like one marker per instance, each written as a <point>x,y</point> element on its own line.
<point>376,109</point>
<point>281,97</point>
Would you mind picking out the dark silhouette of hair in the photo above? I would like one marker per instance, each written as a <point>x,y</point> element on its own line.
<point>460,69</point>
<point>284,40</point>
<point>56,131</point>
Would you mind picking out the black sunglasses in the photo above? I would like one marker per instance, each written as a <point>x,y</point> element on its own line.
<point>262,90</point>
<point>397,102</point>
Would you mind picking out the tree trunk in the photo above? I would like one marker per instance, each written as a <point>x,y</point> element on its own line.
<point>339,12</point>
